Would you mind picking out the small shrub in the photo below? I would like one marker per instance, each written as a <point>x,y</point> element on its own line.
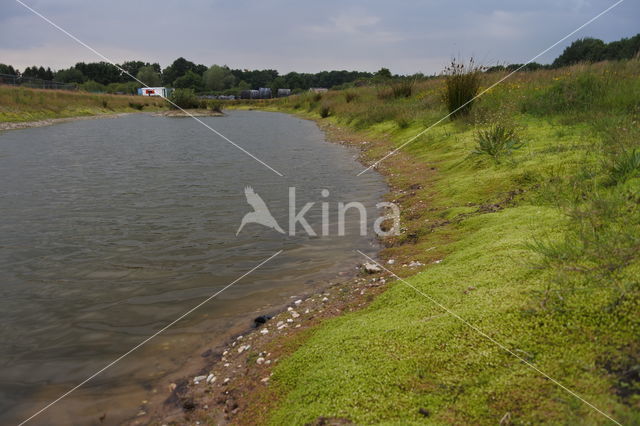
<point>462,83</point>
<point>184,98</point>
<point>404,89</point>
<point>497,141</point>
<point>350,96</point>
<point>105,103</point>
<point>316,97</point>
<point>325,111</point>
<point>216,106</point>
<point>136,105</point>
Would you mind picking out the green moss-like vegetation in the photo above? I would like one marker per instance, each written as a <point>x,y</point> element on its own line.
<point>539,251</point>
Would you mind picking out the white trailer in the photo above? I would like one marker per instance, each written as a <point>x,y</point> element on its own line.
<point>155,91</point>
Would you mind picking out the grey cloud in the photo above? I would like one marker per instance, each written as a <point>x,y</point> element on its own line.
<point>406,36</point>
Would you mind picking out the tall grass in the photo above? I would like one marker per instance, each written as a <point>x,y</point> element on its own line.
<point>462,82</point>
<point>24,104</point>
<point>404,89</point>
<point>571,94</point>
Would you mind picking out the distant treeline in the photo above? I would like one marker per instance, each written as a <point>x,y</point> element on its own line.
<point>584,50</point>
<point>216,79</point>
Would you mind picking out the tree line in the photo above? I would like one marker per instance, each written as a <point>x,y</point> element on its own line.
<point>219,79</point>
<point>586,49</point>
<point>184,74</point>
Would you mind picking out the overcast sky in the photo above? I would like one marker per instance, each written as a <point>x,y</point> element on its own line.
<point>307,36</point>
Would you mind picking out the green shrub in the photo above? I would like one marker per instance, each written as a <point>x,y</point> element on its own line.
<point>215,106</point>
<point>497,141</point>
<point>325,111</point>
<point>316,97</point>
<point>462,83</point>
<point>184,98</point>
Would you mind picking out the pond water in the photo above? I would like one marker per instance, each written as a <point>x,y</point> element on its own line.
<point>112,228</point>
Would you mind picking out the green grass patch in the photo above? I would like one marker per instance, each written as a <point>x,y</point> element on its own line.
<point>540,250</point>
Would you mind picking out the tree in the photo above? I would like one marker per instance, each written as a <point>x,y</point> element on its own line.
<point>177,69</point>
<point>101,72</point>
<point>278,83</point>
<point>7,69</point>
<point>93,86</point>
<point>382,74</point>
<point>585,49</point>
<point>243,85</point>
<point>190,80</point>
<point>149,76</point>
<point>134,67</point>
<point>71,75</point>
<point>625,48</point>
<point>218,78</point>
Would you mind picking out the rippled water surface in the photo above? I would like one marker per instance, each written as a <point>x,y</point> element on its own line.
<point>112,228</point>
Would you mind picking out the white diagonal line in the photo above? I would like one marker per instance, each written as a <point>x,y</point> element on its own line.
<point>115,361</point>
<point>490,87</point>
<point>145,85</point>
<point>492,340</point>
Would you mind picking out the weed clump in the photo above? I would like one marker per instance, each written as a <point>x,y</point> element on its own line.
<point>350,96</point>
<point>497,141</point>
<point>404,89</point>
<point>462,83</point>
<point>625,166</point>
<point>325,111</point>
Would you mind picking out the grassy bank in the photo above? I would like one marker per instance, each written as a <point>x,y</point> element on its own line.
<point>535,243</point>
<point>19,104</point>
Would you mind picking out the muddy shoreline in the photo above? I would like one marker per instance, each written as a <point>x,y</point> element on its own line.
<point>227,388</point>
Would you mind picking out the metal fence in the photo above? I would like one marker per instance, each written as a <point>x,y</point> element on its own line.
<point>35,83</point>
